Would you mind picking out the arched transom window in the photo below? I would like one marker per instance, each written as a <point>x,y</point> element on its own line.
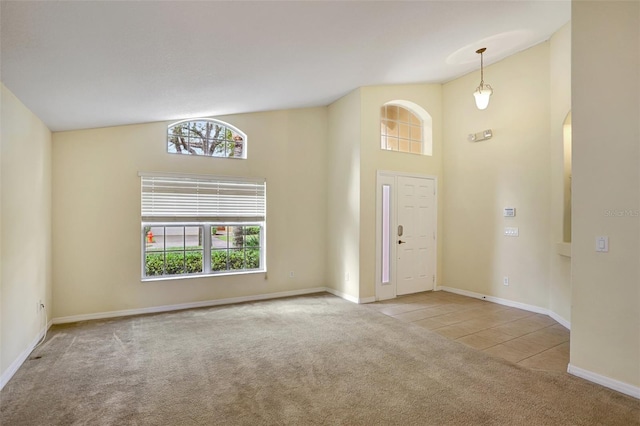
<point>206,137</point>
<point>405,127</point>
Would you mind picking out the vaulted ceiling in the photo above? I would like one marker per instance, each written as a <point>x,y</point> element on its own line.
<point>101,63</point>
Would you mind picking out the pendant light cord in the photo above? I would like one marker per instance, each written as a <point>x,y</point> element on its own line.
<point>481,52</point>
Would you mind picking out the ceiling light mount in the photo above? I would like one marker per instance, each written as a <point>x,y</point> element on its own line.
<point>483,91</point>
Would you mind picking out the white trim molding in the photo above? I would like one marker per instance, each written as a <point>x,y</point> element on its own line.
<point>348,297</point>
<point>605,381</point>
<point>566,324</point>
<point>342,295</point>
<point>506,302</point>
<point>206,303</point>
<point>181,306</point>
<point>17,363</point>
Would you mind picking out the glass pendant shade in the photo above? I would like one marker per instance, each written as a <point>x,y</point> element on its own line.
<point>482,96</point>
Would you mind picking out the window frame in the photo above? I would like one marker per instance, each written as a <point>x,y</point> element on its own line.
<point>426,124</point>
<point>165,250</point>
<point>206,249</point>
<point>207,201</point>
<point>231,127</point>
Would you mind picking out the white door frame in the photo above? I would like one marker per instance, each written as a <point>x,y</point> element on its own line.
<point>386,177</point>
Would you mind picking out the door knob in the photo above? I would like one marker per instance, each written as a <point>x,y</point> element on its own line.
<point>401,242</point>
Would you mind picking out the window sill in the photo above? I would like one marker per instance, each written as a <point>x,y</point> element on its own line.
<point>186,277</point>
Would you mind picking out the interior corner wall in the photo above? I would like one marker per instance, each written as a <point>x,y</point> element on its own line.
<point>509,170</point>
<point>372,159</point>
<point>97,236</point>
<point>25,224</point>
<point>560,105</point>
<point>605,316</point>
<point>343,199</point>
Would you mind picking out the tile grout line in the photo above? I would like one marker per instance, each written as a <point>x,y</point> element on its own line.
<point>514,338</point>
<point>460,322</point>
<point>524,359</point>
<point>508,340</point>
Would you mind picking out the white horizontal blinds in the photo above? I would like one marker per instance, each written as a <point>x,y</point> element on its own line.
<point>203,198</point>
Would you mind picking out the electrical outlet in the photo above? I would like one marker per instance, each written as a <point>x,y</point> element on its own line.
<point>291,274</point>
<point>346,276</point>
<point>505,281</point>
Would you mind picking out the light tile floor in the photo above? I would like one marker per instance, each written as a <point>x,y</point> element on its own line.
<point>525,338</point>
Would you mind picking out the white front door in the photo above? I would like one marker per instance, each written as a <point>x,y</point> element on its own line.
<point>406,234</point>
<point>415,234</point>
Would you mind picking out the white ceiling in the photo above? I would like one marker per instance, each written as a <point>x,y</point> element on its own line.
<point>93,64</point>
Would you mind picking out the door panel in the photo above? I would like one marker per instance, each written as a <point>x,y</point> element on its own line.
<point>415,248</point>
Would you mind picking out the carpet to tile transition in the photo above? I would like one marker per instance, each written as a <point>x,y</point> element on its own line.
<point>309,360</point>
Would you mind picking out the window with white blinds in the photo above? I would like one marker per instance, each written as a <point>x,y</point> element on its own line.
<point>198,225</point>
<point>202,198</point>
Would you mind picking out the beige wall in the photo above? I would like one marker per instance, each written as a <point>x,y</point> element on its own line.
<point>320,165</point>
<point>605,317</point>
<point>560,105</point>
<point>429,97</point>
<point>510,170</point>
<point>343,200</point>
<point>96,211</point>
<point>26,228</point>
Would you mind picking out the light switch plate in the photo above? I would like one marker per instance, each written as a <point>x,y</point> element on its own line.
<point>511,231</point>
<point>602,244</point>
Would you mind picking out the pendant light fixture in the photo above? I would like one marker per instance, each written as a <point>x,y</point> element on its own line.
<point>484,91</point>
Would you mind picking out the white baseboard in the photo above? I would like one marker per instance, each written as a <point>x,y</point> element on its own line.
<point>507,302</point>
<point>17,363</point>
<point>342,295</point>
<point>206,303</point>
<point>605,381</point>
<point>350,298</point>
<point>566,324</point>
<point>177,307</point>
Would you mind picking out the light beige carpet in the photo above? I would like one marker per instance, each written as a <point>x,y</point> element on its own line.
<point>300,361</point>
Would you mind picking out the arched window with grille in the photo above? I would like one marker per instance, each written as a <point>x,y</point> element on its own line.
<point>206,137</point>
<point>406,127</point>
